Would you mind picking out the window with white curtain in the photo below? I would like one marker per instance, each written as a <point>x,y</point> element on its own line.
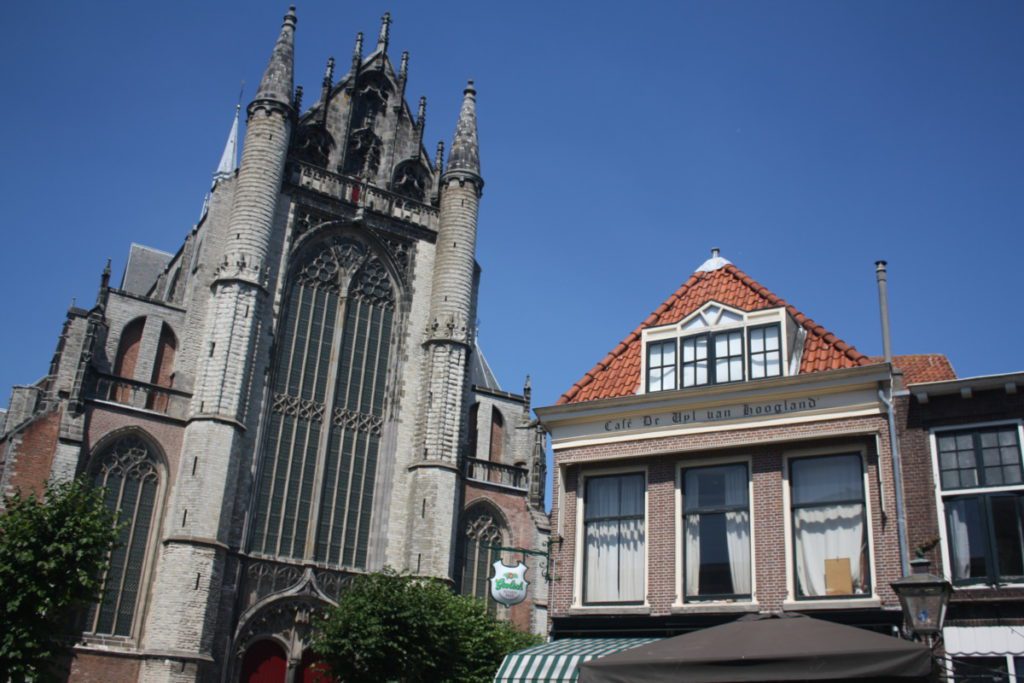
<point>716,538</point>
<point>983,499</point>
<point>829,526</point>
<point>614,537</point>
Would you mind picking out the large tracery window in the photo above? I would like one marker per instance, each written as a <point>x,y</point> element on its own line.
<point>130,476</point>
<point>482,535</point>
<point>319,459</point>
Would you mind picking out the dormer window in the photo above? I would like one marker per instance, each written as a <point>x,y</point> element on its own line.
<point>717,345</point>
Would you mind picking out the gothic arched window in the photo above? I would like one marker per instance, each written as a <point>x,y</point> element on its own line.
<point>482,534</point>
<point>319,458</point>
<point>128,472</point>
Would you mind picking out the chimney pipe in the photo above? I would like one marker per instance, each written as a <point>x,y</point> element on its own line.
<point>882,275</point>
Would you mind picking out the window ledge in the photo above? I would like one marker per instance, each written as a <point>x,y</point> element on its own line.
<point>580,610</point>
<point>715,607</point>
<point>835,603</point>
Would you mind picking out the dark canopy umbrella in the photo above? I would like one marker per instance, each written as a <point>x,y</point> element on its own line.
<point>764,648</point>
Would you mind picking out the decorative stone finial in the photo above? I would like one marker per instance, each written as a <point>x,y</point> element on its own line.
<point>385,31</point>
<point>403,67</point>
<point>439,156</point>
<point>297,100</point>
<point>329,73</point>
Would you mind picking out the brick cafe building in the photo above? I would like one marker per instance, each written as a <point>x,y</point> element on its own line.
<point>729,456</point>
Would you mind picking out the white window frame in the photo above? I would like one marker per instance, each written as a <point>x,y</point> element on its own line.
<point>792,602</point>
<point>680,598</point>
<point>751,319</point>
<point>581,489</point>
<point>940,507</point>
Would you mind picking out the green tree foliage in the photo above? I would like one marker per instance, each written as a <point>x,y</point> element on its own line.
<point>53,552</point>
<point>394,627</point>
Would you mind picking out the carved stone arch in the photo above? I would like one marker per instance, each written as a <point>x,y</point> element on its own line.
<point>412,178</point>
<point>485,506</point>
<point>313,143</point>
<point>108,439</point>
<point>285,618</point>
<point>392,254</point>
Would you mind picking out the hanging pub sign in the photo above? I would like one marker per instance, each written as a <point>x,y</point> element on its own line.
<point>508,585</point>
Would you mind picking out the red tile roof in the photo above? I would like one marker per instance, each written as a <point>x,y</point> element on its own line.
<point>922,367</point>
<point>618,373</point>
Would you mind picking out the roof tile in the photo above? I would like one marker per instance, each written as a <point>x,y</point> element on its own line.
<point>618,373</point>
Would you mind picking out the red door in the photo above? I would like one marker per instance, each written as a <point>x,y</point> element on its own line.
<point>264,662</point>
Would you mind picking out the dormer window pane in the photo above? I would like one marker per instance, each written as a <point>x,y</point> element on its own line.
<point>661,365</point>
<point>765,352</point>
<point>729,357</point>
<point>695,360</point>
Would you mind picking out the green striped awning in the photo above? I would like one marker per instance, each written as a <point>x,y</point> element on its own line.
<point>556,662</point>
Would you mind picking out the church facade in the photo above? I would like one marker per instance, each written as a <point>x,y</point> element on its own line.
<point>295,396</point>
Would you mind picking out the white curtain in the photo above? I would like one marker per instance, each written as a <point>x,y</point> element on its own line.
<point>830,530</point>
<point>826,533</point>
<point>615,547</point>
<point>737,529</point>
<point>692,552</point>
<point>961,545</point>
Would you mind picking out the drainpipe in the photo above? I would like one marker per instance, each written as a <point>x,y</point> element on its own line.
<point>881,274</point>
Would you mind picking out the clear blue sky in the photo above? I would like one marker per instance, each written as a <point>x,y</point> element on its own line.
<point>620,141</point>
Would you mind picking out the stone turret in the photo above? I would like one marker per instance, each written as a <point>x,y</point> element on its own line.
<point>448,343</point>
<point>215,448</point>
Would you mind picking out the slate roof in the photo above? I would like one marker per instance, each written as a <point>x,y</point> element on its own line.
<point>143,268</point>
<point>618,373</point>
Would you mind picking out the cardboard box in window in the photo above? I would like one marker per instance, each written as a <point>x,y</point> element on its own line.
<point>838,577</point>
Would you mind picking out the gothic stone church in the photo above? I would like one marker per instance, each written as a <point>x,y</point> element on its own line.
<point>293,397</point>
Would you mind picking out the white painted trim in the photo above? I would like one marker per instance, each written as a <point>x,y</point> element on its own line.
<point>806,452</point>
<point>581,481</point>
<point>675,330</point>
<point>577,442</point>
<point>679,601</point>
<point>940,506</point>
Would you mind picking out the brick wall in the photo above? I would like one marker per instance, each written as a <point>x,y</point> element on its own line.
<point>766,448</point>
<point>28,454</point>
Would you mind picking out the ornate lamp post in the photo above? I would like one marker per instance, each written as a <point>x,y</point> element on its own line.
<point>924,598</point>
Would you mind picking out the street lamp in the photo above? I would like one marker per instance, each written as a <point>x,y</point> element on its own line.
<point>923,597</point>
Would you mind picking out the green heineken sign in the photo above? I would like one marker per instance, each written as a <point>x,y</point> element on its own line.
<point>508,585</point>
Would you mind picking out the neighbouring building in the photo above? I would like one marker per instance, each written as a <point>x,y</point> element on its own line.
<point>729,456</point>
<point>961,439</point>
<point>293,397</point>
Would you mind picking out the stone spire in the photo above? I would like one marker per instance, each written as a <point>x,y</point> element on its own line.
<point>229,159</point>
<point>421,122</point>
<point>464,158</point>
<point>385,32</point>
<point>277,79</point>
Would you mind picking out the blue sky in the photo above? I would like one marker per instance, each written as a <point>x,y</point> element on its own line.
<point>619,142</point>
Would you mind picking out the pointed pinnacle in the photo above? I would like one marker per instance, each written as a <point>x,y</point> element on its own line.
<point>385,31</point>
<point>465,154</point>
<point>297,100</point>
<point>357,58</point>
<point>277,79</point>
<point>421,113</point>
<point>439,156</point>
<point>329,73</point>
<point>403,68</point>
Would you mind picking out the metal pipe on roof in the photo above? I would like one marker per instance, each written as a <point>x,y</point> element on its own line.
<point>882,277</point>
